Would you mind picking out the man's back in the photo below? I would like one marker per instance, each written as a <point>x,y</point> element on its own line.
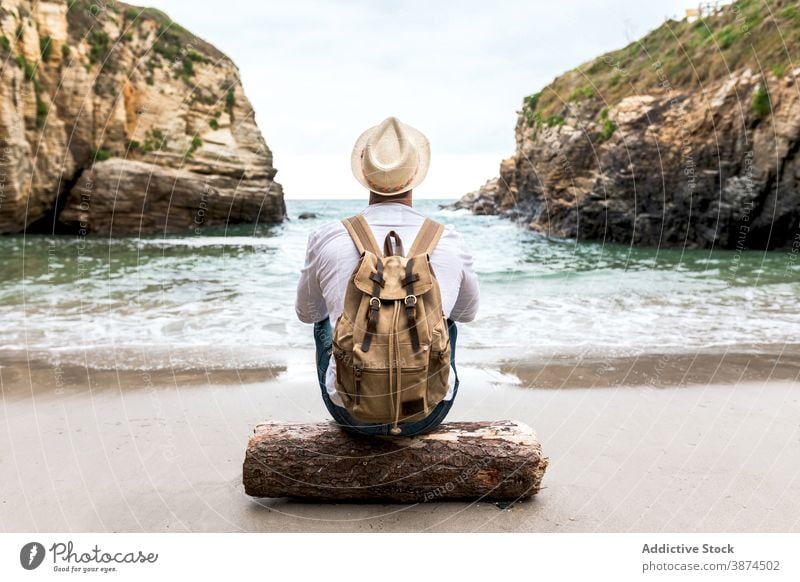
<point>331,258</point>
<point>389,160</point>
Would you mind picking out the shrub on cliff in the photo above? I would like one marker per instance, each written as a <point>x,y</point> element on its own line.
<point>529,107</point>
<point>607,127</point>
<point>41,111</point>
<point>195,145</point>
<point>154,140</point>
<point>554,120</point>
<point>100,154</point>
<point>46,48</point>
<point>760,103</point>
<point>230,100</point>
<point>22,63</point>
<point>98,45</point>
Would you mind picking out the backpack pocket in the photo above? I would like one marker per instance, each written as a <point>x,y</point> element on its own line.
<point>375,399</point>
<point>438,367</point>
<point>343,355</point>
<point>345,376</point>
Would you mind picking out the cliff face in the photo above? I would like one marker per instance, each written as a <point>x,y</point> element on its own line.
<point>688,137</point>
<point>113,119</point>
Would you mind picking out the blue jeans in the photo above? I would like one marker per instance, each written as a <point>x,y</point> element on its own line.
<point>323,339</point>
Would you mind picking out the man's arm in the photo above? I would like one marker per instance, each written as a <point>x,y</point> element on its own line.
<point>310,304</point>
<point>466,306</point>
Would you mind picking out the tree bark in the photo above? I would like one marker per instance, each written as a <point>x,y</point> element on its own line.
<point>497,461</point>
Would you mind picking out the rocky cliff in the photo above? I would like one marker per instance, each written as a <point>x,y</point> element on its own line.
<point>687,137</point>
<point>114,119</point>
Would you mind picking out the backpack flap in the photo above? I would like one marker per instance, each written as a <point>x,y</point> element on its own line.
<point>394,271</point>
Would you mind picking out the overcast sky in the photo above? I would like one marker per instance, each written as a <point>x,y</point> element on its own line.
<point>319,72</point>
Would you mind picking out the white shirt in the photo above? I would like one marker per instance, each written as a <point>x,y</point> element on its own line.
<point>332,256</point>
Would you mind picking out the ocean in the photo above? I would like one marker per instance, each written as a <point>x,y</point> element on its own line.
<point>224,298</point>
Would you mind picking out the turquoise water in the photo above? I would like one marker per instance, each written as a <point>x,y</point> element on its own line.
<point>224,299</point>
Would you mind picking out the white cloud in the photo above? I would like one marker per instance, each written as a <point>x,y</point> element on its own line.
<point>318,73</point>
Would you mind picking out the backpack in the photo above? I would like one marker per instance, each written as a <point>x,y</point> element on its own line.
<point>391,342</point>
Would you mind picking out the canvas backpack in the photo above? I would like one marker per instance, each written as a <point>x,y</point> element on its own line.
<point>391,343</point>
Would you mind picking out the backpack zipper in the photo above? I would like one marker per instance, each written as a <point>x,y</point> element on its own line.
<point>382,370</point>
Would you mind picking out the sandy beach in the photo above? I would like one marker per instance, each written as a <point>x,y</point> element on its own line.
<point>89,450</point>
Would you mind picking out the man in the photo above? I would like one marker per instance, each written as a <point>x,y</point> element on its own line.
<point>389,159</point>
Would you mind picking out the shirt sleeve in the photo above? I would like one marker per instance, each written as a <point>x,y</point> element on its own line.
<point>466,305</point>
<point>310,304</point>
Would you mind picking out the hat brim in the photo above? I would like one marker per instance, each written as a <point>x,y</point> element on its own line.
<point>423,150</point>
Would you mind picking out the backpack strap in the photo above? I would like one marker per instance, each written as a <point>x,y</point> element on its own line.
<point>361,234</point>
<point>374,306</point>
<point>411,302</point>
<point>398,245</point>
<point>429,234</point>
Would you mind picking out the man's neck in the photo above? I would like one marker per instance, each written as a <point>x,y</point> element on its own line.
<point>404,198</point>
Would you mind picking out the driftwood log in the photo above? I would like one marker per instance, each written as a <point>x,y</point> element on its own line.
<point>497,461</point>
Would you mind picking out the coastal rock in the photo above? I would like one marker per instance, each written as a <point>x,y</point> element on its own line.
<point>481,201</point>
<point>114,119</point>
<point>110,198</point>
<point>696,150</point>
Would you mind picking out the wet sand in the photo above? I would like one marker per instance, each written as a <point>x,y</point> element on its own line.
<point>734,366</point>
<point>632,447</point>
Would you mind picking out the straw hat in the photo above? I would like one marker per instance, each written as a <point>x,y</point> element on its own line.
<point>391,158</point>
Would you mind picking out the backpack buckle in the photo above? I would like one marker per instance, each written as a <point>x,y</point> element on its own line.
<point>408,301</point>
<point>377,303</point>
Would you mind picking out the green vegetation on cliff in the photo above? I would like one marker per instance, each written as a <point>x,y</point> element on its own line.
<point>679,54</point>
<point>46,48</point>
<point>761,104</point>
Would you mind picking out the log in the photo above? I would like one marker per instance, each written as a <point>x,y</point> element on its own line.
<point>492,461</point>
